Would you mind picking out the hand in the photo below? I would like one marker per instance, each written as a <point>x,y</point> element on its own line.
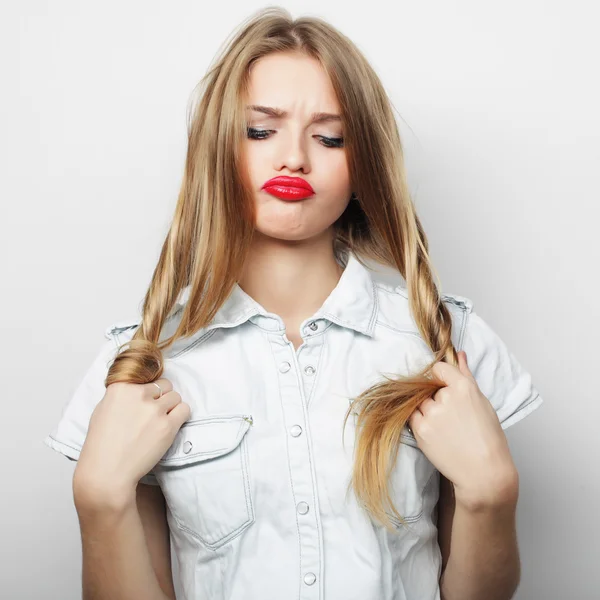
<point>129,431</point>
<point>460,433</point>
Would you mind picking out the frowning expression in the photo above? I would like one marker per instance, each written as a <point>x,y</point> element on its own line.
<point>295,135</point>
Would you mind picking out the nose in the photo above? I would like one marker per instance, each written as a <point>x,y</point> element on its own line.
<point>291,152</point>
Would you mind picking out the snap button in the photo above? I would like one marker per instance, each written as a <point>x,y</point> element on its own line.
<point>302,508</point>
<point>187,446</point>
<point>296,430</point>
<point>310,578</point>
<point>284,367</point>
<point>309,370</point>
<point>313,326</point>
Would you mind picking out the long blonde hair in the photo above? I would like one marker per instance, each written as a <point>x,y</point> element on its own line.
<point>215,205</point>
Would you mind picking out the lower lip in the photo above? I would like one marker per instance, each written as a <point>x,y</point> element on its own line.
<point>288,193</point>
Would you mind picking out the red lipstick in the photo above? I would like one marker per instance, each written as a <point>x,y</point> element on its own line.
<point>288,188</point>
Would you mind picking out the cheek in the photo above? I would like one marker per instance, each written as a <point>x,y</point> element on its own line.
<point>256,161</point>
<point>333,168</point>
<point>335,187</point>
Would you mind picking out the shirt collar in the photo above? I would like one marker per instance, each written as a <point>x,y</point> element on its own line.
<point>351,304</point>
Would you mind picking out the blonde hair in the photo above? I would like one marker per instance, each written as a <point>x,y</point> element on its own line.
<point>215,206</point>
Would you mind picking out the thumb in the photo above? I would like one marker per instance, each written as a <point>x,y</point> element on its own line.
<point>463,366</point>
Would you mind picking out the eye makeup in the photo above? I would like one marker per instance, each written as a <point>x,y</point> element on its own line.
<point>261,134</point>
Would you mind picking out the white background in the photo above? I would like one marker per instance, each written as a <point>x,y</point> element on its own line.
<point>498,105</point>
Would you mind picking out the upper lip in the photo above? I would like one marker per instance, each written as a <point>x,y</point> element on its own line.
<point>289,182</point>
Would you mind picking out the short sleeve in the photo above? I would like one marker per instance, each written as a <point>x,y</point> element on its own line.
<point>68,435</point>
<point>500,376</point>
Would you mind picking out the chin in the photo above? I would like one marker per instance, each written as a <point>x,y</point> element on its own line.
<point>288,234</point>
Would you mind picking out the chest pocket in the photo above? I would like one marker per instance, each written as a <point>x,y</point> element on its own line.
<point>205,479</point>
<point>408,481</point>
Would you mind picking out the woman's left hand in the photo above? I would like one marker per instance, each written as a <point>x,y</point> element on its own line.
<point>460,433</point>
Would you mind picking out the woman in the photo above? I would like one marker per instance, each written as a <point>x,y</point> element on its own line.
<point>262,331</point>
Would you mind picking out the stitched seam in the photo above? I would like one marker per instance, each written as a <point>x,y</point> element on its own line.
<point>393,291</point>
<point>209,453</point>
<point>250,517</point>
<point>522,408</point>
<point>401,291</point>
<point>414,518</point>
<point>306,422</point>
<point>217,419</point>
<point>462,303</point>
<point>375,312</point>
<point>116,340</point>
<point>195,343</point>
<point>64,444</point>
<point>336,319</point>
<point>316,380</point>
<point>246,467</point>
<point>418,516</point>
<point>205,455</point>
<point>403,331</point>
<point>229,536</point>
<point>327,325</point>
<point>463,328</point>
<point>287,445</point>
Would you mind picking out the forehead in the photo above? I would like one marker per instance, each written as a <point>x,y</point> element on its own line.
<point>293,82</point>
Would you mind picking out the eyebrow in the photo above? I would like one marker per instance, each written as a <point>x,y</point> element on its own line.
<point>317,117</point>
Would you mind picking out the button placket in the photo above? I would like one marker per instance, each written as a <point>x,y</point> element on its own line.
<point>296,380</point>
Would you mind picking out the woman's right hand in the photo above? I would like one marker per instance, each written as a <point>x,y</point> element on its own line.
<point>129,431</point>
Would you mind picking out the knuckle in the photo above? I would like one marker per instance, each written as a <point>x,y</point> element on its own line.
<point>442,394</point>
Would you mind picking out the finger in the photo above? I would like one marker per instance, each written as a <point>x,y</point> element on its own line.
<point>446,372</point>
<point>180,413</point>
<point>169,401</point>
<point>427,404</point>
<point>414,420</point>
<point>164,384</point>
<point>464,366</point>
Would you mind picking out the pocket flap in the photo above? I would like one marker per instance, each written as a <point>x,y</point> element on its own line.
<point>201,439</point>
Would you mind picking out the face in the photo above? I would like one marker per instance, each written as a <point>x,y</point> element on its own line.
<point>291,145</point>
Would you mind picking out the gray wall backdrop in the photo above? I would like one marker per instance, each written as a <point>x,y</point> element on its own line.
<point>498,104</point>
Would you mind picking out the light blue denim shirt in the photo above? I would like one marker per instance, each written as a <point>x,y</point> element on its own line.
<point>255,481</point>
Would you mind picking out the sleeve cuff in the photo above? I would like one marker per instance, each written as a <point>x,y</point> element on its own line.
<point>69,451</point>
<point>527,408</point>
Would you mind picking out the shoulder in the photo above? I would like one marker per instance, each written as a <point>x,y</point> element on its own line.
<point>394,310</point>
<point>125,328</point>
<point>121,328</point>
<point>122,331</point>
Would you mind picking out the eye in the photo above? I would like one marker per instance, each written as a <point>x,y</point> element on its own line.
<point>258,134</point>
<point>332,142</point>
<point>328,142</point>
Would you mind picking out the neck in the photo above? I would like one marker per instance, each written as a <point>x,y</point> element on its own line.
<point>291,279</point>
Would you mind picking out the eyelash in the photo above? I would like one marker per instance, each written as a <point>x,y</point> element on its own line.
<point>335,142</point>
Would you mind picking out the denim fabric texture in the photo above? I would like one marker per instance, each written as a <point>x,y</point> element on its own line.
<point>255,481</point>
